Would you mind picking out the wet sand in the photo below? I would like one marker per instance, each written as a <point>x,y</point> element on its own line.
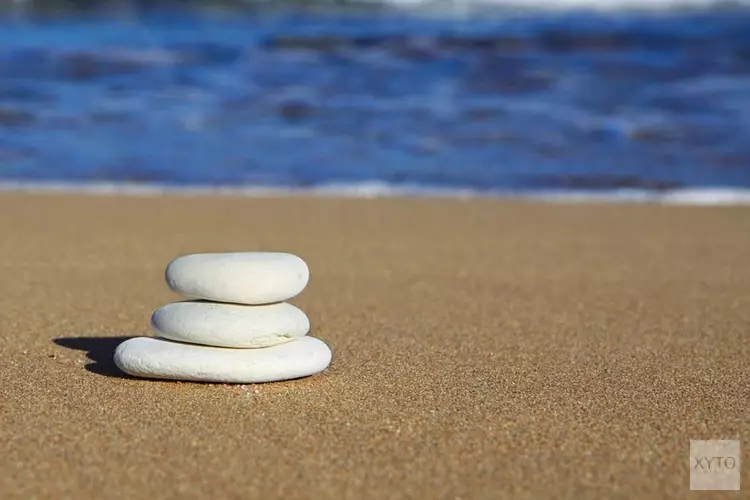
<point>481,349</point>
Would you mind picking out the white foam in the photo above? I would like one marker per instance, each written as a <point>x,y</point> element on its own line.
<point>563,5</point>
<point>706,196</point>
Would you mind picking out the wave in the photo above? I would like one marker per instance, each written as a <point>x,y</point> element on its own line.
<point>705,196</point>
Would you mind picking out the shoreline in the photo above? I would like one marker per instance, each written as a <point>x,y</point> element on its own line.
<point>703,196</point>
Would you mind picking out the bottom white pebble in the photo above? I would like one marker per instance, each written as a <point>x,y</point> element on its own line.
<point>163,359</point>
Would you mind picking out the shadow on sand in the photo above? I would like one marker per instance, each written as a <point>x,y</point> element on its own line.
<point>100,350</point>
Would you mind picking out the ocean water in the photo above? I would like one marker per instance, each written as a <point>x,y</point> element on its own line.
<point>585,98</point>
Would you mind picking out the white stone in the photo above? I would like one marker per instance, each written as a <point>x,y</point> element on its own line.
<point>230,325</point>
<point>163,359</point>
<point>240,277</point>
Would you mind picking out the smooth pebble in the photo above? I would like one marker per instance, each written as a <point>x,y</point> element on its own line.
<point>240,277</point>
<point>230,325</point>
<point>164,359</point>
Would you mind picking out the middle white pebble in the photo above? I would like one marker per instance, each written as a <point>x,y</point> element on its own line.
<point>230,325</point>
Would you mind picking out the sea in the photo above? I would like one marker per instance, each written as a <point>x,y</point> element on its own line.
<point>622,100</point>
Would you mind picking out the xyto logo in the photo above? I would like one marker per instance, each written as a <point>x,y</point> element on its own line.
<point>715,464</point>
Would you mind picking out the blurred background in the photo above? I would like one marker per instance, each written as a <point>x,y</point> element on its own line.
<point>622,97</point>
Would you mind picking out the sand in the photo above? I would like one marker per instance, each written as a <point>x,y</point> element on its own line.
<point>482,349</point>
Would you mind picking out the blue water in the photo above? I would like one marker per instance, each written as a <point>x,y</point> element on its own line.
<point>281,98</point>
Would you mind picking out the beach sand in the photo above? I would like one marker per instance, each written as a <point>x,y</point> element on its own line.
<point>481,349</point>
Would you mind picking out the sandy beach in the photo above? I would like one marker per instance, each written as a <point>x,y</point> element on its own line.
<point>481,349</point>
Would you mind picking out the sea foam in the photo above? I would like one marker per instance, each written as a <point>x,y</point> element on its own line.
<point>685,196</point>
<point>562,5</point>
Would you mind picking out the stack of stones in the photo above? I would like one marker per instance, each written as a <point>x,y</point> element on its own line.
<point>240,330</point>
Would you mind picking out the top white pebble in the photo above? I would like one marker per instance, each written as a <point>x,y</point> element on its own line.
<point>251,278</point>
